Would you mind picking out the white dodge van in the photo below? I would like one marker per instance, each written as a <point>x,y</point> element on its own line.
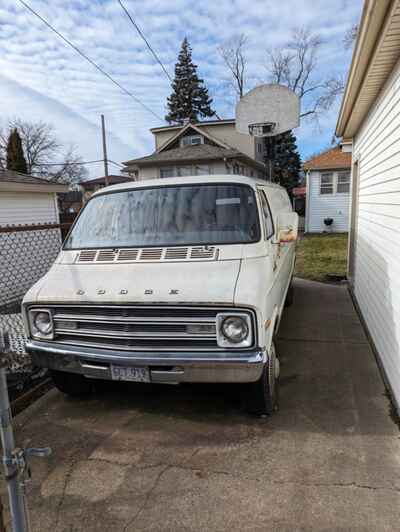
<point>169,281</point>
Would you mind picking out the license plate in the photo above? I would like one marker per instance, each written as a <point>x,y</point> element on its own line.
<point>127,373</point>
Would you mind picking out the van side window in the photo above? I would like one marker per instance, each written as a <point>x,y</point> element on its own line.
<point>268,222</point>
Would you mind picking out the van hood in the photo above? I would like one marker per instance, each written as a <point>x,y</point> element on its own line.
<point>172,283</point>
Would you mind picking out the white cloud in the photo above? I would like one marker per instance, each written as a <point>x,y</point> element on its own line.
<point>55,84</point>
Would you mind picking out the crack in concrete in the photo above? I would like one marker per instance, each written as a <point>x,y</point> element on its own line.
<point>290,482</point>
<point>154,486</point>
<point>64,490</point>
<point>353,484</point>
<point>147,497</point>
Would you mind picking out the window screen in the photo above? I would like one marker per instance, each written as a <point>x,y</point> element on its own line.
<point>326,186</point>
<point>343,183</point>
<point>167,172</point>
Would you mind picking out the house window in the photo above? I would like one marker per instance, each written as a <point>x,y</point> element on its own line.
<point>167,171</point>
<point>202,169</point>
<point>192,140</point>
<point>343,183</point>
<point>326,184</point>
<point>184,171</point>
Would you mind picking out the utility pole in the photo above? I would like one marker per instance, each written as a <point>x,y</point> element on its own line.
<point>103,131</point>
<point>15,460</point>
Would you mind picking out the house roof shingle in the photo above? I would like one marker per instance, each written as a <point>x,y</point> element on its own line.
<point>331,159</point>
<point>200,152</point>
<point>8,176</point>
<point>113,179</point>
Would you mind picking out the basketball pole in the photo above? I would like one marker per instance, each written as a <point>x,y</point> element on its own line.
<point>15,459</point>
<point>16,495</point>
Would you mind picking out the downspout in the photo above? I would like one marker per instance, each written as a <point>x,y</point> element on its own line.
<point>226,165</point>
<point>306,225</point>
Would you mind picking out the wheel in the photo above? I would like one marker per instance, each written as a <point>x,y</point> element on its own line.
<point>262,397</point>
<point>71,383</point>
<point>289,295</point>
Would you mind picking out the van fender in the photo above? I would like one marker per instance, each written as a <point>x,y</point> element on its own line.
<point>273,325</point>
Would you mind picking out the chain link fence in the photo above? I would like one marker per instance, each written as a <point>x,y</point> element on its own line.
<point>26,254</point>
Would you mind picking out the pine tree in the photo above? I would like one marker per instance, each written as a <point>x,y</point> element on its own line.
<point>287,163</point>
<point>15,154</point>
<point>189,98</point>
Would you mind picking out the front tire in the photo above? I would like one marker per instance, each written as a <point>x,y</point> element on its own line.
<point>262,397</point>
<point>71,384</point>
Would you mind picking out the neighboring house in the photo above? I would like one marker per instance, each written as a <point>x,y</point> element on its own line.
<point>328,191</point>
<point>211,147</point>
<point>92,185</point>
<point>369,115</point>
<point>25,199</point>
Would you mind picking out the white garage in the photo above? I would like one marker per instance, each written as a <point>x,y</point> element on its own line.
<point>26,199</point>
<point>29,242</point>
<point>370,116</point>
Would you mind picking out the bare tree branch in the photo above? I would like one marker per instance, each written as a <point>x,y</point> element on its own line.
<point>350,36</point>
<point>295,65</point>
<point>233,54</point>
<point>42,148</point>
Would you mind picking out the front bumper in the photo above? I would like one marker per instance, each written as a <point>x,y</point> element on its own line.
<point>167,367</point>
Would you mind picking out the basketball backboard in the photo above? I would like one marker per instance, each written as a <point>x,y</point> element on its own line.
<point>268,110</point>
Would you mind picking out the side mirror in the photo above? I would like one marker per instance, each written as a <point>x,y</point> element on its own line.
<point>287,226</point>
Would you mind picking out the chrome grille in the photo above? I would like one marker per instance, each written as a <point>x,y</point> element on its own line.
<point>137,327</point>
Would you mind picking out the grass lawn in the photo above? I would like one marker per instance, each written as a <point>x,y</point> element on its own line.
<point>322,254</point>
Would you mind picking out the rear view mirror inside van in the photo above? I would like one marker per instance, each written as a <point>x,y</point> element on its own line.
<point>288,224</point>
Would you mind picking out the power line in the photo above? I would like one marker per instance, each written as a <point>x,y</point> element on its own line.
<point>64,163</point>
<point>126,91</point>
<point>116,164</point>
<point>70,164</point>
<point>146,41</point>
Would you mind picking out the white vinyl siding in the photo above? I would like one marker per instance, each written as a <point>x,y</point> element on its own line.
<point>376,279</point>
<point>326,201</point>
<point>27,208</point>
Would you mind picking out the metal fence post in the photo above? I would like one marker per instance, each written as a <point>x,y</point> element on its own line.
<point>11,468</point>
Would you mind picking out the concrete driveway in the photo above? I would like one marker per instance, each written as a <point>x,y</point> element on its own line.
<point>143,458</point>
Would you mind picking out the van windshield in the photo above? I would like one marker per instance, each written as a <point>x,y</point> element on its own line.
<point>171,215</point>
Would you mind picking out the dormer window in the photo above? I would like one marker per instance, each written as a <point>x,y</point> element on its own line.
<point>191,140</point>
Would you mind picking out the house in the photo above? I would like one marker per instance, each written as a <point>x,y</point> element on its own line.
<point>328,190</point>
<point>25,199</point>
<point>92,185</point>
<point>209,147</point>
<point>369,116</point>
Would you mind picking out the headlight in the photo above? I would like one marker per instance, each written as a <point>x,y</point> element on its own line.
<point>234,330</point>
<point>41,323</point>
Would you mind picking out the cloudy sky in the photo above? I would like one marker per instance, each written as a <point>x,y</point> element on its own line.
<point>41,78</point>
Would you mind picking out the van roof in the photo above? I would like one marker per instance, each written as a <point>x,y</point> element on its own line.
<point>188,180</point>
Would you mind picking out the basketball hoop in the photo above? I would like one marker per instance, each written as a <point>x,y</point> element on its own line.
<point>267,111</point>
<point>262,129</point>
